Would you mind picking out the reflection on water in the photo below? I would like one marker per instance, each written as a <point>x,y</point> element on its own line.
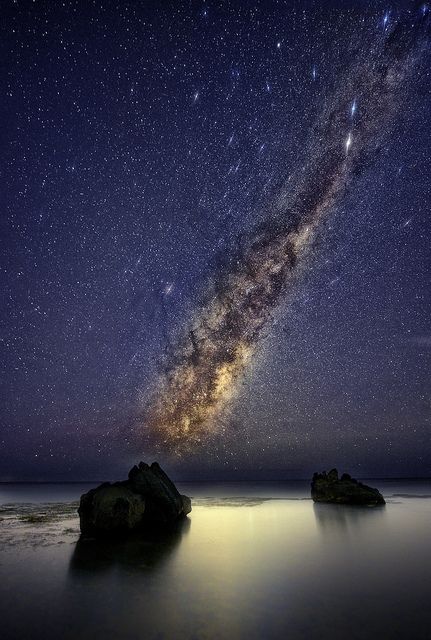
<point>334,517</point>
<point>241,567</point>
<point>133,552</point>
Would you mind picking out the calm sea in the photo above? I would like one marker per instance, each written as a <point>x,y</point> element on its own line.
<point>253,561</point>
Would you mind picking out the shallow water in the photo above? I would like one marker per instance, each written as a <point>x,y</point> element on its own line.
<point>253,561</point>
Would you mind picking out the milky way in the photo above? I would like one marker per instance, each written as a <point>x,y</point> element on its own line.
<point>204,367</point>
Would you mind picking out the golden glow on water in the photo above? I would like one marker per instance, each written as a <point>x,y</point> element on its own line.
<point>262,571</point>
<point>245,542</point>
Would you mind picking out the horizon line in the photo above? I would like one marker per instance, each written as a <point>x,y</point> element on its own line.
<point>212,480</point>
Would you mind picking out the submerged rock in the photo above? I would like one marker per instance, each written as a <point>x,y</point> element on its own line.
<point>148,499</point>
<point>328,487</point>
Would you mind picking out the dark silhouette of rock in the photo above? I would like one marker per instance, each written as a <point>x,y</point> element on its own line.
<point>327,487</point>
<point>148,499</point>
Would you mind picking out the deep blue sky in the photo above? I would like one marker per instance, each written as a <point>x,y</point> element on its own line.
<point>139,141</point>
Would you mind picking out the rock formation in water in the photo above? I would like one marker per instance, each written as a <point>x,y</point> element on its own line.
<point>328,487</point>
<point>147,500</point>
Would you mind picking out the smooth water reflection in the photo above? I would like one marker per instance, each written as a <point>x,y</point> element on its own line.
<point>134,552</point>
<point>239,567</point>
<point>335,519</point>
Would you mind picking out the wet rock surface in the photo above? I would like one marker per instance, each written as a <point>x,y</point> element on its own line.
<point>328,487</point>
<point>148,499</point>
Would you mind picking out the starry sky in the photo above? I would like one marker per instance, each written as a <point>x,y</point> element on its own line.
<point>143,143</point>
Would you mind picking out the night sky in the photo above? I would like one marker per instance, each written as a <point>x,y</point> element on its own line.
<point>149,151</point>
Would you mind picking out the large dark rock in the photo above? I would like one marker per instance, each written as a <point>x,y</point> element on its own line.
<point>148,499</point>
<point>328,487</point>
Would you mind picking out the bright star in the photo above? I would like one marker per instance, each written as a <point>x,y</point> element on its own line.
<point>168,289</point>
<point>385,19</point>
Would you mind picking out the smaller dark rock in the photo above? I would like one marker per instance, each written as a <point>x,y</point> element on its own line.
<point>327,487</point>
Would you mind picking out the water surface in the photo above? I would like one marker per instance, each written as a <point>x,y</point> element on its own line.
<point>252,561</point>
